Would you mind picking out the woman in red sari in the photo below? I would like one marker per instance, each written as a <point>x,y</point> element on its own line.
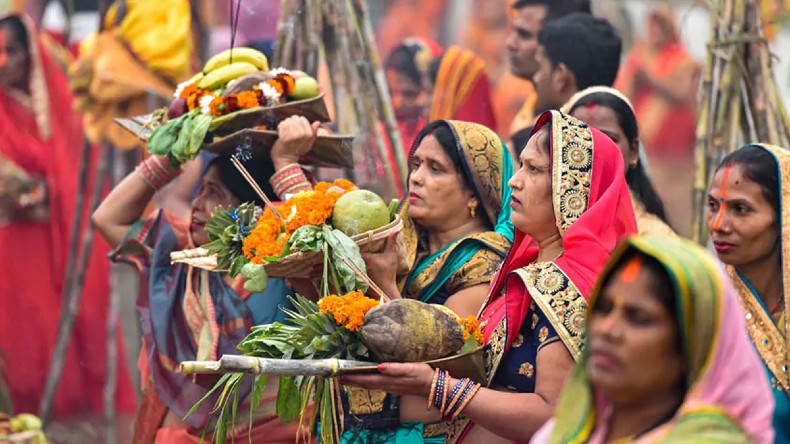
<point>40,143</point>
<point>571,206</point>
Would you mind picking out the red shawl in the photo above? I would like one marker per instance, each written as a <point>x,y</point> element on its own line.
<point>561,287</point>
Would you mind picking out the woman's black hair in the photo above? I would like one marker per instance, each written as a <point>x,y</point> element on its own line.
<point>759,166</point>
<point>401,60</point>
<point>442,132</point>
<point>260,168</point>
<point>18,29</point>
<point>636,177</point>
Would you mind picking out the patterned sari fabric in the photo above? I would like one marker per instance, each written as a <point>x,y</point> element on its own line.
<point>771,338</point>
<point>469,261</point>
<point>728,400</point>
<point>462,90</point>
<point>186,314</point>
<point>593,212</point>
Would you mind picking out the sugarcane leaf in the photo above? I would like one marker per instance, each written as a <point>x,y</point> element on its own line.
<point>234,409</point>
<point>258,386</point>
<point>287,400</point>
<point>219,384</point>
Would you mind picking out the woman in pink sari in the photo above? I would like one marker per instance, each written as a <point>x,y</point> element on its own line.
<point>668,358</point>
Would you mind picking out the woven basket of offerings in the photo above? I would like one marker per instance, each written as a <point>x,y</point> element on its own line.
<point>302,264</point>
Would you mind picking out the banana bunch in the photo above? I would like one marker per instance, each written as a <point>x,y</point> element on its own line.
<point>231,64</point>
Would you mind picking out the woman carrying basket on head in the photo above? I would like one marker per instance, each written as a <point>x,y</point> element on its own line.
<point>187,313</point>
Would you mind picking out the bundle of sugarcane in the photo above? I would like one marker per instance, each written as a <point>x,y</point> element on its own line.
<point>340,33</point>
<point>739,100</point>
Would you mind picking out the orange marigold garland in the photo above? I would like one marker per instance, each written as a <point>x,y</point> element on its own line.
<point>348,310</point>
<point>266,239</point>
<point>471,327</point>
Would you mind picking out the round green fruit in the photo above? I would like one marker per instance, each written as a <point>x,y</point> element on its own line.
<point>305,88</point>
<point>360,211</point>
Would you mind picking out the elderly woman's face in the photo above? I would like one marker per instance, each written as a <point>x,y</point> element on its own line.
<point>212,195</point>
<point>14,58</point>
<point>633,339</point>
<point>533,210</point>
<point>438,197</point>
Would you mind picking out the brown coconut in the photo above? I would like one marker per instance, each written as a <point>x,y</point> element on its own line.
<point>406,330</point>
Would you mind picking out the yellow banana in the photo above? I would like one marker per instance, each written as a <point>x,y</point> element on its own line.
<point>221,76</point>
<point>249,55</point>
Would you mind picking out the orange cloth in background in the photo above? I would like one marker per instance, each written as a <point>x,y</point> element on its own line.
<point>461,90</point>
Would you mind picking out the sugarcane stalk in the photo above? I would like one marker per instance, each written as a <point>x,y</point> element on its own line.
<point>384,101</point>
<point>69,316</point>
<point>267,366</point>
<point>68,281</point>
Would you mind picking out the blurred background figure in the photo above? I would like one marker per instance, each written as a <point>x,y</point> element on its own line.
<point>408,77</point>
<point>39,162</point>
<point>661,79</point>
<point>461,90</point>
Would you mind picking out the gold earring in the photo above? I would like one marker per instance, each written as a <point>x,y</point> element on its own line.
<point>473,209</point>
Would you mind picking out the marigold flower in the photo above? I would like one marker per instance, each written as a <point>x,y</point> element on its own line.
<point>348,310</point>
<point>247,99</point>
<point>185,90</point>
<point>267,238</point>
<point>193,100</point>
<point>215,107</point>
<point>471,327</point>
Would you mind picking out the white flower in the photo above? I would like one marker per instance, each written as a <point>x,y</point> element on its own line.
<point>205,103</point>
<point>277,71</point>
<point>180,88</point>
<point>269,92</point>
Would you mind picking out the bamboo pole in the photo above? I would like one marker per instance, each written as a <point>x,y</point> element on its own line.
<point>266,366</point>
<point>69,315</point>
<point>739,101</point>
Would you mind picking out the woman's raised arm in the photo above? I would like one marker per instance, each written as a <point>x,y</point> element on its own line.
<point>126,202</point>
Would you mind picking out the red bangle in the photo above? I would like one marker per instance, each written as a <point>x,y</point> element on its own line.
<point>155,174</point>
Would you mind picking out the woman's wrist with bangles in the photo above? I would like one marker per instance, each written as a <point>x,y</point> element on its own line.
<point>157,172</point>
<point>289,179</point>
<point>450,396</point>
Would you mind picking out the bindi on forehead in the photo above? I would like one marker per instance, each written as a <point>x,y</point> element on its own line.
<point>632,269</point>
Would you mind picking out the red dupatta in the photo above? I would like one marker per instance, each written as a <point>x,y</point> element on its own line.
<point>593,211</point>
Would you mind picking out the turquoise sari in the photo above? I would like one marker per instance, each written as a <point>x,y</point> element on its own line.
<point>469,261</point>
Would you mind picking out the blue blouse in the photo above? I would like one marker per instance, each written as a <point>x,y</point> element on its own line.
<point>517,370</point>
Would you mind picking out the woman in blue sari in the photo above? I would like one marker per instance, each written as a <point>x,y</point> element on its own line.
<point>748,213</point>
